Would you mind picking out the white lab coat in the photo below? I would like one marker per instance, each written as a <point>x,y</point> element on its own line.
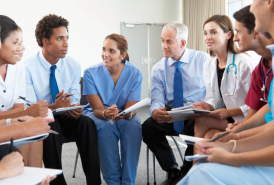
<point>233,94</point>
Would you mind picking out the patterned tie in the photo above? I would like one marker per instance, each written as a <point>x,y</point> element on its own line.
<point>178,96</point>
<point>53,83</point>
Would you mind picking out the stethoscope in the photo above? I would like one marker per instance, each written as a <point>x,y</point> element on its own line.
<point>232,64</point>
<point>264,79</point>
<point>227,69</point>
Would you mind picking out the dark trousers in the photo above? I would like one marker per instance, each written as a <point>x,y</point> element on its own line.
<point>83,131</point>
<point>154,135</point>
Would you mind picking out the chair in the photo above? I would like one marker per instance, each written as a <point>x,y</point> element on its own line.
<point>83,101</point>
<point>153,156</point>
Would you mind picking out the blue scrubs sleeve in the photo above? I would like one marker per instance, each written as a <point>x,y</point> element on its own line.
<point>135,93</point>
<point>268,116</point>
<point>89,87</point>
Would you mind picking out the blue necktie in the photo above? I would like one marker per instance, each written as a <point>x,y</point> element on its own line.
<point>178,96</point>
<point>53,83</point>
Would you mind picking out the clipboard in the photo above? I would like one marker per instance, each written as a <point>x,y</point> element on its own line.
<point>31,176</point>
<point>180,114</point>
<point>27,140</point>
<point>60,111</point>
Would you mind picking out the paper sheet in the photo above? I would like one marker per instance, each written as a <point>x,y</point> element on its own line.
<point>50,115</point>
<point>189,139</point>
<point>136,106</point>
<point>182,113</point>
<point>30,176</point>
<point>61,111</point>
<point>27,140</point>
<point>195,157</point>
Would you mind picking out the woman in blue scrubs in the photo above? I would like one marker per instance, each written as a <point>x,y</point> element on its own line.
<point>115,82</point>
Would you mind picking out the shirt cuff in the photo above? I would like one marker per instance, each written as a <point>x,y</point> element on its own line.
<point>154,106</point>
<point>245,109</point>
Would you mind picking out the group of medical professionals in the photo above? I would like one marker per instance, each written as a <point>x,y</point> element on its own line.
<point>238,94</point>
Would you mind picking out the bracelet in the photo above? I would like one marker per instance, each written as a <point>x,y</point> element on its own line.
<point>8,121</point>
<point>235,144</point>
<point>130,116</point>
<point>104,114</point>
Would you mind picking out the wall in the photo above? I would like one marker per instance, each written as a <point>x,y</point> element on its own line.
<point>90,20</point>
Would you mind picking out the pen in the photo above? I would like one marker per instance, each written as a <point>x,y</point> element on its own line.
<point>11,144</point>
<point>110,106</point>
<point>65,96</point>
<point>28,101</point>
<point>50,131</point>
<point>53,132</point>
<point>220,136</point>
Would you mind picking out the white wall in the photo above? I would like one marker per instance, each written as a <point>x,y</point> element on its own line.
<point>90,20</point>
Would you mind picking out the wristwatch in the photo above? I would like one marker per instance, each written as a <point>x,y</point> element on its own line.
<point>8,121</point>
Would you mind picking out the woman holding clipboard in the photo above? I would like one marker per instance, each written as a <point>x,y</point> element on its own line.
<point>227,76</point>
<point>115,82</point>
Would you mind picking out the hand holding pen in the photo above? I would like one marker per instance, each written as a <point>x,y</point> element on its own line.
<point>111,112</point>
<point>203,145</point>
<point>36,109</point>
<point>62,100</point>
<point>49,131</point>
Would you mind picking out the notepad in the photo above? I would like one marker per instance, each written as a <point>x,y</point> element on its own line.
<point>27,140</point>
<point>183,113</point>
<point>189,139</point>
<point>195,157</point>
<point>61,111</point>
<point>31,176</point>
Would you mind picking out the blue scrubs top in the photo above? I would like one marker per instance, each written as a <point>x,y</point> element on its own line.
<point>268,116</point>
<point>98,80</point>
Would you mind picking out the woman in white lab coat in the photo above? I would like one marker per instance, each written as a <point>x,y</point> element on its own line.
<point>227,76</point>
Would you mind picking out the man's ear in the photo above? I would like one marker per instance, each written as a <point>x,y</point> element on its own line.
<point>45,41</point>
<point>256,34</point>
<point>270,5</point>
<point>182,43</point>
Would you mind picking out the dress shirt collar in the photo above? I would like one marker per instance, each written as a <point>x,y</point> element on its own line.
<point>46,64</point>
<point>271,48</point>
<point>184,58</point>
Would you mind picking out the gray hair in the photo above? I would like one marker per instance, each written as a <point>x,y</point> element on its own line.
<point>181,29</point>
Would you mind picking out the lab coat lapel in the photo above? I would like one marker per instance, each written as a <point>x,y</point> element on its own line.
<point>216,94</point>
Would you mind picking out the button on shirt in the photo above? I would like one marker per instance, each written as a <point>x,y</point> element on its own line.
<point>162,79</point>
<point>67,74</point>
<point>12,87</point>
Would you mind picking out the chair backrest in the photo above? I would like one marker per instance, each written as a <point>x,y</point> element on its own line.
<point>83,100</point>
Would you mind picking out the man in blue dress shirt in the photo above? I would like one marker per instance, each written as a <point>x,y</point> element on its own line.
<point>189,66</point>
<point>51,74</point>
